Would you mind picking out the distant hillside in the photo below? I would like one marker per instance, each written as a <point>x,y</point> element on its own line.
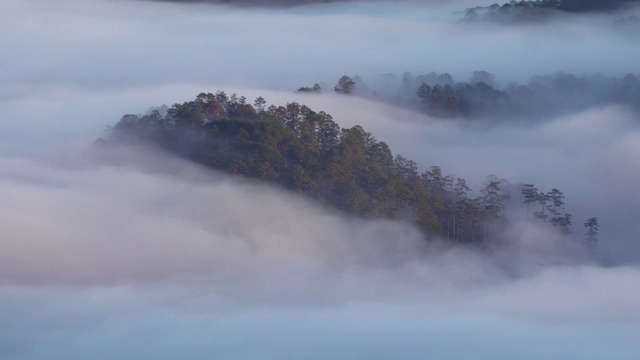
<point>480,98</point>
<point>540,10</point>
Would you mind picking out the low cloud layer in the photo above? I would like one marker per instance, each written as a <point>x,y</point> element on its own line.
<point>151,217</point>
<point>103,224</point>
<point>129,253</point>
<point>123,44</point>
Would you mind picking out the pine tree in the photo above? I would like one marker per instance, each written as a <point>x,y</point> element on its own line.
<point>260,104</point>
<point>493,205</point>
<point>424,91</point>
<point>345,85</point>
<point>555,205</point>
<point>591,236</point>
<point>543,200</point>
<point>530,194</point>
<point>463,208</point>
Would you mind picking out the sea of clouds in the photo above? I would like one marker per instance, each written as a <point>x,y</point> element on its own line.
<point>131,253</point>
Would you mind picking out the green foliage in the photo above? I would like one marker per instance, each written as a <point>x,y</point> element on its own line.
<point>423,92</point>
<point>345,85</point>
<point>480,98</point>
<point>530,194</point>
<point>316,88</point>
<point>591,236</point>
<point>306,151</point>
<point>539,10</point>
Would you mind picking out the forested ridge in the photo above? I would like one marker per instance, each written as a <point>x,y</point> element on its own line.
<point>441,95</point>
<point>348,169</point>
<point>540,10</point>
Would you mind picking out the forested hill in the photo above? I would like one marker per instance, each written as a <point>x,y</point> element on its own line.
<point>480,97</point>
<point>305,151</point>
<point>539,10</point>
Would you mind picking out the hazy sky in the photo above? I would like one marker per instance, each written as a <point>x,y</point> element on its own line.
<point>131,254</point>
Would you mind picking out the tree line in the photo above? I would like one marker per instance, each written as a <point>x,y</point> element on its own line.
<point>348,169</point>
<point>539,10</point>
<point>441,96</point>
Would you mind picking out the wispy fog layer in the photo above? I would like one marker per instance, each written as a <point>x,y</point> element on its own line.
<point>120,44</point>
<point>108,254</point>
<point>123,323</point>
<point>129,253</point>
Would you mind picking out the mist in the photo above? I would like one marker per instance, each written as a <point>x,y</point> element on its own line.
<point>157,257</point>
<point>98,44</point>
<point>133,253</point>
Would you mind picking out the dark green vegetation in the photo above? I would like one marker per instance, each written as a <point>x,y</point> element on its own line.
<point>306,151</point>
<point>256,2</point>
<point>541,10</point>
<point>479,97</point>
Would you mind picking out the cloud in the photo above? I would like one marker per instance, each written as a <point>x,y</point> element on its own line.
<point>82,221</point>
<point>604,294</point>
<point>133,254</point>
<point>104,223</point>
<point>125,322</point>
<point>132,217</point>
<point>99,44</point>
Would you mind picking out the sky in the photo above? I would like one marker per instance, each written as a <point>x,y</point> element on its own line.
<point>129,253</point>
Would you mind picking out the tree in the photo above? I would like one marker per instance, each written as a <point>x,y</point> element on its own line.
<point>445,79</point>
<point>345,85</point>
<point>542,199</point>
<point>591,236</point>
<point>463,208</point>
<point>556,203</point>
<point>260,104</point>
<point>492,200</point>
<point>436,188</point>
<point>530,194</point>
<point>563,223</point>
<point>492,203</point>
<point>314,89</point>
<point>301,181</point>
<point>482,76</point>
<point>423,92</point>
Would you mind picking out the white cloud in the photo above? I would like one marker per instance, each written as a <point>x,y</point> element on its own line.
<point>133,254</point>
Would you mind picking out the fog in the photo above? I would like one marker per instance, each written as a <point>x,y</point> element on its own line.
<point>132,253</point>
<point>101,44</point>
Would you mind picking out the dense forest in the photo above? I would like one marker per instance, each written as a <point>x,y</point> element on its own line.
<point>305,151</point>
<point>440,95</point>
<point>540,10</point>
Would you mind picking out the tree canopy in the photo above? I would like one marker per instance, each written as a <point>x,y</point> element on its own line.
<point>306,151</point>
<point>440,95</point>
